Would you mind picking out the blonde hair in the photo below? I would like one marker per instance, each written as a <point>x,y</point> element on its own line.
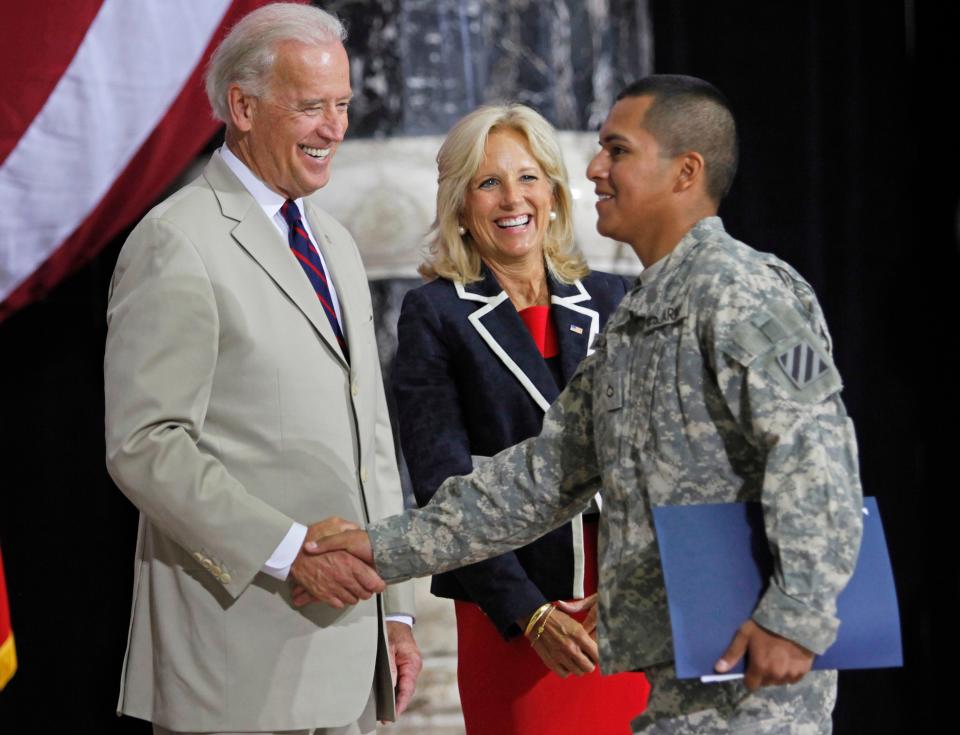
<point>451,255</point>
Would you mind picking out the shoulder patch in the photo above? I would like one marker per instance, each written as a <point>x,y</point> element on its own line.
<point>802,364</point>
<point>778,344</point>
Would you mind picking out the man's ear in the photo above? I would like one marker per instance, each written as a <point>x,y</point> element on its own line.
<point>241,106</point>
<point>691,172</point>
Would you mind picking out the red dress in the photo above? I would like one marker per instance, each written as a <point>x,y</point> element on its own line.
<point>505,688</point>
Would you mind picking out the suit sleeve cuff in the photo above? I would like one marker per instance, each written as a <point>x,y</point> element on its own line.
<point>282,558</point>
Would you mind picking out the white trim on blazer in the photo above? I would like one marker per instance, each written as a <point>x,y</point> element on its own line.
<point>569,302</point>
<point>492,302</point>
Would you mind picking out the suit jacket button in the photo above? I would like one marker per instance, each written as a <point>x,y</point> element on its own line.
<point>198,556</point>
<point>215,571</point>
<point>225,578</point>
<point>207,564</point>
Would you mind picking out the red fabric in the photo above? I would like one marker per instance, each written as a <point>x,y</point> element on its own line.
<point>174,143</point>
<point>505,689</point>
<point>39,41</point>
<point>4,609</point>
<point>540,325</point>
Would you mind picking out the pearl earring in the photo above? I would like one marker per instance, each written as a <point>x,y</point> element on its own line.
<point>553,216</point>
<point>462,230</point>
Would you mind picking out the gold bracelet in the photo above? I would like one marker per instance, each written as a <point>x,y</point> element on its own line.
<point>536,616</point>
<point>543,625</point>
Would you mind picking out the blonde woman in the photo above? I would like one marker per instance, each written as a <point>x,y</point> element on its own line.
<point>485,346</point>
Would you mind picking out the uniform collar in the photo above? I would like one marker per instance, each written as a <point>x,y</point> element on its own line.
<point>656,284</point>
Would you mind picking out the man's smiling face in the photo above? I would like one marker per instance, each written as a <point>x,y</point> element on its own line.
<point>296,127</point>
<point>633,179</point>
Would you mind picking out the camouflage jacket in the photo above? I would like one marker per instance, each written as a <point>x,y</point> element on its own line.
<point>712,383</point>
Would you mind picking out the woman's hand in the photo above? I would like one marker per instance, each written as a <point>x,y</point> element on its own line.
<point>563,644</point>
<point>587,605</point>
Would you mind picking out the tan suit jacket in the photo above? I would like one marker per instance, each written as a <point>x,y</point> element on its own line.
<point>230,413</point>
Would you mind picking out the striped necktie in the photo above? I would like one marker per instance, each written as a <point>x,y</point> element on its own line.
<point>309,259</point>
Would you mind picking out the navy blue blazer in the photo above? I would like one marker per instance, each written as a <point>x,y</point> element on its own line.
<point>469,382</point>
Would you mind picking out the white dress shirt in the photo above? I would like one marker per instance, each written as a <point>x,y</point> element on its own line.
<point>280,561</point>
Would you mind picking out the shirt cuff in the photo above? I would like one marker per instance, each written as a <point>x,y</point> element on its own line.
<point>280,561</point>
<point>405,619</point>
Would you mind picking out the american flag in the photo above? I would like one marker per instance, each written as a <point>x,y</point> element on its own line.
<point>101,107</point>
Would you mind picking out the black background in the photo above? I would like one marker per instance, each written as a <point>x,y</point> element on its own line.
<point>849,172</point>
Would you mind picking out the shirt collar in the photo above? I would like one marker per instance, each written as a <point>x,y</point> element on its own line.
<point>269,200</point>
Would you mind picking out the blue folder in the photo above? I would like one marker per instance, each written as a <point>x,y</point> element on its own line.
<point>716,564</point>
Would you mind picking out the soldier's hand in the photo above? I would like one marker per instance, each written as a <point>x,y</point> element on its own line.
<point>771,659</point>
<point>328,527</point>
<point>356,542</point>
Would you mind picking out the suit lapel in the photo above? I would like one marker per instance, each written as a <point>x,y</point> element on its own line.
<point>256,234</point>
<point>576,323</point>
<point>500,326</point>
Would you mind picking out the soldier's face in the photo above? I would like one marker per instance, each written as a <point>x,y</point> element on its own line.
<point>633,179</point>
<point>296,127</point>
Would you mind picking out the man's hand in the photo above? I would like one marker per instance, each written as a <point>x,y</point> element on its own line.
<point>338,579</point>
<point>356,542</point>
<point>405,662</point>
<point>771,659</point>
<point>563,644</point>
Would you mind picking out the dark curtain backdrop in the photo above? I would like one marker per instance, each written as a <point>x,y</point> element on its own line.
<point>848,172</point>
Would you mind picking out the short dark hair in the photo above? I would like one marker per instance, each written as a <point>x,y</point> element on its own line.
<point>689,114</point>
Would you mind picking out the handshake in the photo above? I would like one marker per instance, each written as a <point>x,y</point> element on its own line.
<point>334,566</point>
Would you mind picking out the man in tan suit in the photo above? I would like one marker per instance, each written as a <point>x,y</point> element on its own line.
<point>244,402</point>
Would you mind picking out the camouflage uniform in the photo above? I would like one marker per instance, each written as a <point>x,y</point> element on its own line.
<point>713,382</point>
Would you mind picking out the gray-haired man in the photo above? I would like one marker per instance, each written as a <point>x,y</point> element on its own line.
<point>244,402</point>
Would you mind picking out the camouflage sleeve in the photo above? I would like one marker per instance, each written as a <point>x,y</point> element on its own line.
<point>772,357</point>
<point>516,497</point>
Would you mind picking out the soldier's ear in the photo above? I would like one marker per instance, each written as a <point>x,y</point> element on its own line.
<point>241,106</point>
<point>691,171</point>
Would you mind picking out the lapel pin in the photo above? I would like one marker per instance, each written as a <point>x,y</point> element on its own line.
<point>575,329</point>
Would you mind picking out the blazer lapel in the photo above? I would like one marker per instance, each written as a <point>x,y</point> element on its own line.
<point>576,323</point>
<point>500,326</point>
<point>256,234</point>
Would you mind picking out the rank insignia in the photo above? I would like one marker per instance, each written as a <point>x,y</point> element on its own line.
<point>575,329</point>
<point>802,364</point>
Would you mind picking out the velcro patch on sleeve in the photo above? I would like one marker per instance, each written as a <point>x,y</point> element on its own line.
<point>780,345</point>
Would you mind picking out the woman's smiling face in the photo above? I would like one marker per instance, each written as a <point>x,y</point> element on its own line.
<point>507,205</point>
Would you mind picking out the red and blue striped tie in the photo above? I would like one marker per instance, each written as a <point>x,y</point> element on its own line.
<point>307,255</point>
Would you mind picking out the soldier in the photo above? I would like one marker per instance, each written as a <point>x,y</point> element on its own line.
<point>713,382</point>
